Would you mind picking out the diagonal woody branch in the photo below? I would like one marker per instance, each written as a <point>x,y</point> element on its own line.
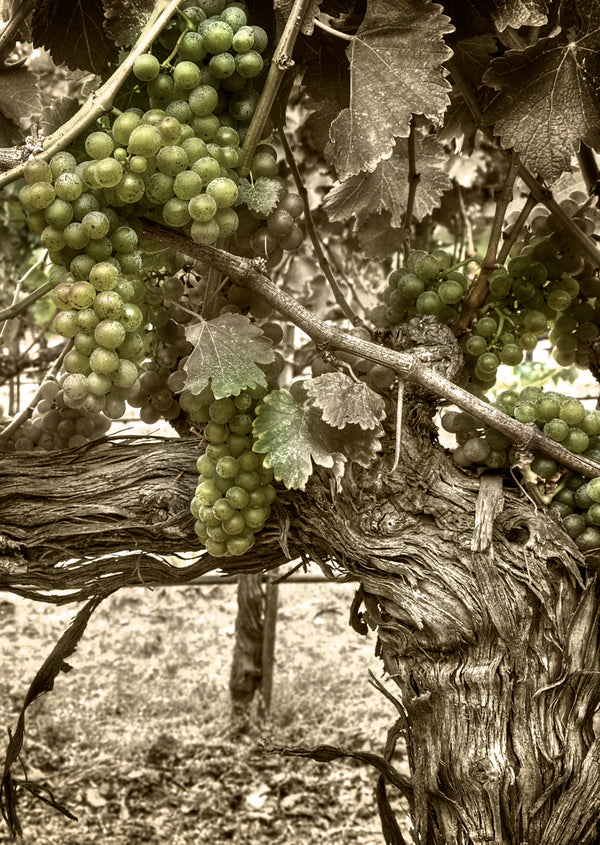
<point>247,272</point>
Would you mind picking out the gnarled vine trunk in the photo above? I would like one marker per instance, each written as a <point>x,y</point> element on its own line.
<point>487,617</point>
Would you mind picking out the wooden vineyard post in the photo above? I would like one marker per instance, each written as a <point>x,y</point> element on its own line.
<point>268,644</point>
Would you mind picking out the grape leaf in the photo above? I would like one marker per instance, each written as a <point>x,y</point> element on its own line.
<point>378,238</point>
<point>386,189</point>
<point>20,97</point>
<point>262,196</point>
<point>227,350</point>
<point>10,134</point>
<point>549,99</point>
<point>290,435</point>
<point>518,13</point>
<point>73,32</point>
<point>343,400</point>
<point>125,19</point>
<point>396,71</point>
<point>56,114</point>
<point>293,436</point>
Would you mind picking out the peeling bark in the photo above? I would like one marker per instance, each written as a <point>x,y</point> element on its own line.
<point>486,613</point>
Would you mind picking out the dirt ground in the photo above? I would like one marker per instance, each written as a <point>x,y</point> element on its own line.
<point>138,742</point>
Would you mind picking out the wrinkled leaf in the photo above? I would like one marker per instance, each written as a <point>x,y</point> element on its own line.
<point>73,32</point>
<point>262,196</point>
<point>10,133</point>
<point>20,98</point>
<point>343,400</point>
<point>290,435</point>
<point>396,71</point>
<point>227,350</point>
<point>125,19</point>
<point>549,99</point>
<point>518,13</point>
<point>386,189</point>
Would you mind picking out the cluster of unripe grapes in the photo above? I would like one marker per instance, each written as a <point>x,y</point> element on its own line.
<point>270,235</point>
<point>562,419</point>
<point>428,284</point>
<point>234,493</point>
<point>56,425</point>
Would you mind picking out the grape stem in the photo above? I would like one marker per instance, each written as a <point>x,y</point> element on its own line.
<point>329,29</point>
<point>100,101</point>
<point>280,63</point>
<point>479,291</point>
<point>246,272</point>
<point>324,263</point>
<point>541,193</point>
<point>27,412</point>
<point>19,305</point>
<point>515,229</point>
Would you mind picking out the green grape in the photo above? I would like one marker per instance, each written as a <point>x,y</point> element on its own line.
<point>41,194</point>
<point>172,160</point>
<point>261,39</point>
<point>572,412</point>
<point>217,36</point>
<point>486,326</point>
<point>544,467</point>
<point>205,232</point>
<point>576,440</point>
<point>203,100</point>
<point>202,207</point>
<point>243,39</point>
<point>99,145</point>
<point>525,412</point>
<point>249,64</point>
<point>68,186</point>
<point>146,67</point>
<point>191,47</point>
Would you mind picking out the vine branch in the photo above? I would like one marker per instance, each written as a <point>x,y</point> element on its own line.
<point>246,272</point>
<point>280,63</point>
<point>314,235</point>
<point>479,291</point>
<point>101,100</point>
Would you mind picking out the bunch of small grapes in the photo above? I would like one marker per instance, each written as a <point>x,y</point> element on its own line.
<point>234,493</point>
<point>426,285</point>
<point>560,417</point>
<point>270,235</point>
<point>55,425</point>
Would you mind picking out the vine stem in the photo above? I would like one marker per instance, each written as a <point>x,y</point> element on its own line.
<point>513,233</point>
<point>280,63</point>
<point>314,235</point>
<point>12,26</point>
<point>540,192</point>
<point>101,100</point>
<point>19,305</point>
<point>335,32</point>
<point>479,291</point>
<point>413,179</point>
<point>18,421</point>
<point>248,272</point>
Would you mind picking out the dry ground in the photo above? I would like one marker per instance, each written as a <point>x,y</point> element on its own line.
<point>137,740</point>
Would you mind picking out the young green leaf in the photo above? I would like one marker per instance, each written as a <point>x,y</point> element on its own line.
<point>343,400</point>
<point>548,100</point>
<point>293,436</point>
<point>227,350</point>
<point>262,196</point>
<point>396,71</point>
<point>290,434</point>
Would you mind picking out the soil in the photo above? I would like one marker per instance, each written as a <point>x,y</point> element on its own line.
<point>138,741</point>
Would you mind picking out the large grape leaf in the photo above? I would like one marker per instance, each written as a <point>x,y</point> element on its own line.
<point>227,350</point>
<point>73,32</point>
<point>293,436</point>
<point>20,98</point>
<point>549,99</point>
<point>344,401</point>
<point>396,71</point>
<point>125,19</point>
<point>386,188</point>
<point>56,114</point>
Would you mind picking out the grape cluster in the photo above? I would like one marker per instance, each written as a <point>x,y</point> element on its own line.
<point>426,285</point>
<point>55,425</point>
<point>234,493</point>
<point>562,419</point>
<point>269,235</point>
